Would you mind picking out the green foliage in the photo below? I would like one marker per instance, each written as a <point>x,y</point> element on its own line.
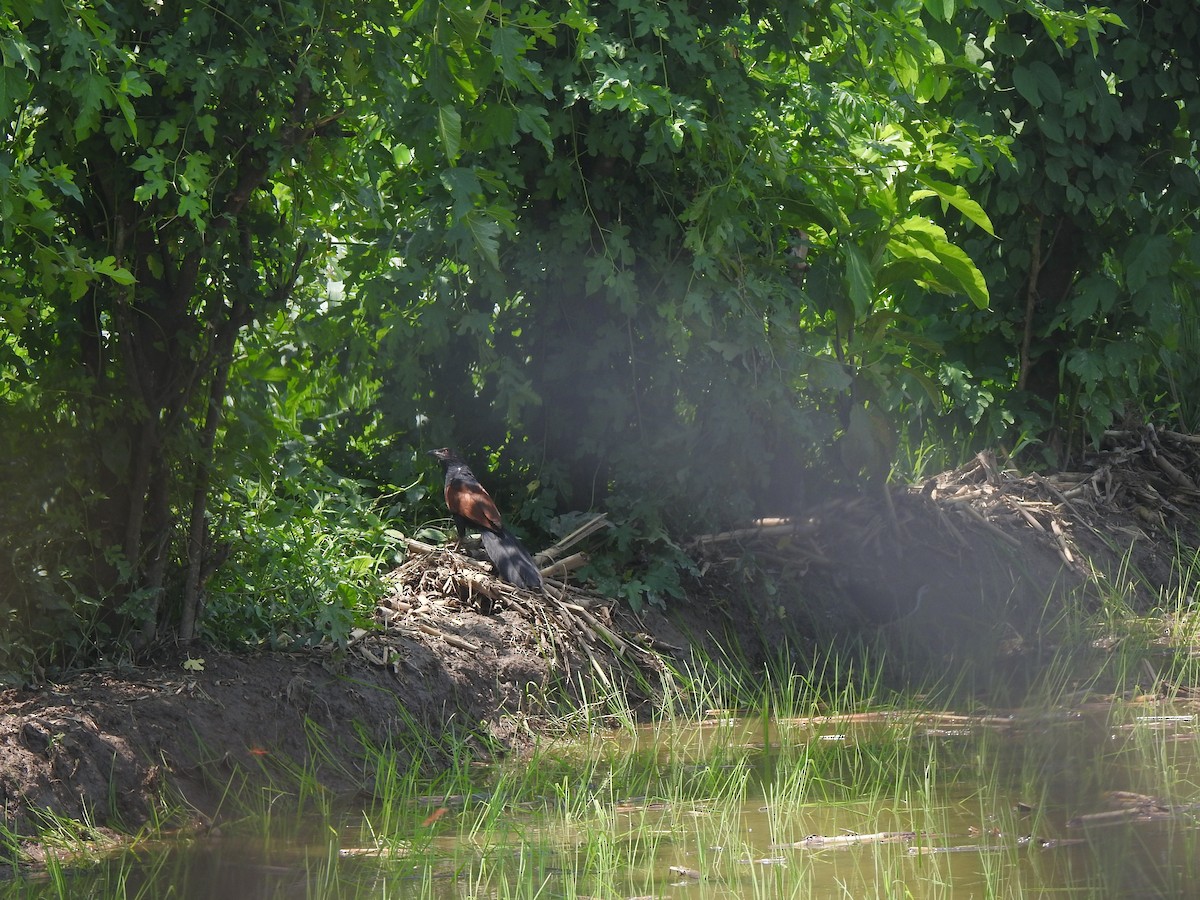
<point>306,556</point>
<point>165,187</point>
<point>639,561</point>
<point>643,328</point>
<point>1091,321</point>
<point>677,265</point>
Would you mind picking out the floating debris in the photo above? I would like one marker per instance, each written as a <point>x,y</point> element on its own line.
<point>401,850</point>
<point>962,848</point>
<point>765,861</point>
<point>816,841</point>
<point>1130,807</point>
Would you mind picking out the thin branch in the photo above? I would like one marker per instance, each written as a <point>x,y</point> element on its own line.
<point>1031,292</point>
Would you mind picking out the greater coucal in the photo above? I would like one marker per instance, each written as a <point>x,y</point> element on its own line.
<point>470,505</point>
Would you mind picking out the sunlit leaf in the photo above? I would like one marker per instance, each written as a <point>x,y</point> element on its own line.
<point>485,232</point>
<point>860,282</point>
<point>449,122</point>
<point>955,195</point>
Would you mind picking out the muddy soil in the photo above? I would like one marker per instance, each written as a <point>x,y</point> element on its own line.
<point>974,566</point>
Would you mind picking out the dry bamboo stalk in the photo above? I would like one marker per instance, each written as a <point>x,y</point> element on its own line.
<point>1068,477</point>
<point>848,718</point>
<point>579,595</point>
<point>461,643</point>
<point>583,629</point>
<point>756,531</point>
<point>585,530</point>
<point>905,717</point>
<point>396,605</point>
<point>564,566</point>
<point>428,549</point>
<point>966,469</point>
<point>573,626</point>
<point>1127,799</point>
<point>418,546</point>
<point>975,514</point>
<point>988,461</point>
<point>460,555</point>
<point>949,526</point>
<point>370,657</point>
<point>1062,542</point>
<point>1121,435</point>
<point>771,521</point>
<point>943,718</point>
<point>617,643</point>
<point>1057,494</point>
<point>1174,473</point>
<point>961,848</point>
<point>599,669</point>
<point>965,494</point>
<point>1026,514</point>
<point>452,639</point>
<point>1184,438</point>
<point>480,583</point>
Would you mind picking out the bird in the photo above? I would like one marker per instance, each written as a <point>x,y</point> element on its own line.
<point>471,505</point>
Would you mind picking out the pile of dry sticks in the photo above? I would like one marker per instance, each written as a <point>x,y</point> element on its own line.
<point>437,584</point>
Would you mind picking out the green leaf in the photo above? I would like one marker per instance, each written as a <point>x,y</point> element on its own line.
<point>966,274</point>
<point>485,232</point>
<point>941,10</point>
<point>917,239</point>
<point>1147,256</point>
<point>108,266</point>
<point>194,208</point>
<point>1047,81</point>
<point>207,123</point>
<point>89,96</point>
<point>1026,84</point>
<point>956,196</point>
<point>533,121</point>
<point>449,125</point>
<point>859,281</point>
<point>827,375</point>
<point>1087,365</point>
<point>128,113</point>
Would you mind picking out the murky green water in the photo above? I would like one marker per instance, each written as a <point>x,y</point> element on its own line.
<point>1097,802</point>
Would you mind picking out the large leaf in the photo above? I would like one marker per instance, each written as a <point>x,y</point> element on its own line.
<point>956,196</point>
<point>860,283</point>
<point>1027,86</point>
<point>1037,83</point>
<point>485,233</point>
<point>449,124</point>
<point>1147,256</point>
<point>916,238</point>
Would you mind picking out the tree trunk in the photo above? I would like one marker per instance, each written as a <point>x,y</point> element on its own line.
<point>198,523</point>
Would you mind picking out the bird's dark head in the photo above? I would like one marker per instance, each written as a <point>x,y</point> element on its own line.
<point>445,456</point>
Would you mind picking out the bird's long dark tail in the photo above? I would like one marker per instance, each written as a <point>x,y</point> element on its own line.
<point>511,560</point>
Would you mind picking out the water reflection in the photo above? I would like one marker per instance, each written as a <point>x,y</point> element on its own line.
<point>1090,802</point>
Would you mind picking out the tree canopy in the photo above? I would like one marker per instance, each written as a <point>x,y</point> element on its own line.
<point>681,264</point>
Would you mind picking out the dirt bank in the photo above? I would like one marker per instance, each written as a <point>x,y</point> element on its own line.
<point>974,564</point>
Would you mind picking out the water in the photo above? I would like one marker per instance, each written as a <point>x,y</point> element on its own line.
<point>1091,802</point>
